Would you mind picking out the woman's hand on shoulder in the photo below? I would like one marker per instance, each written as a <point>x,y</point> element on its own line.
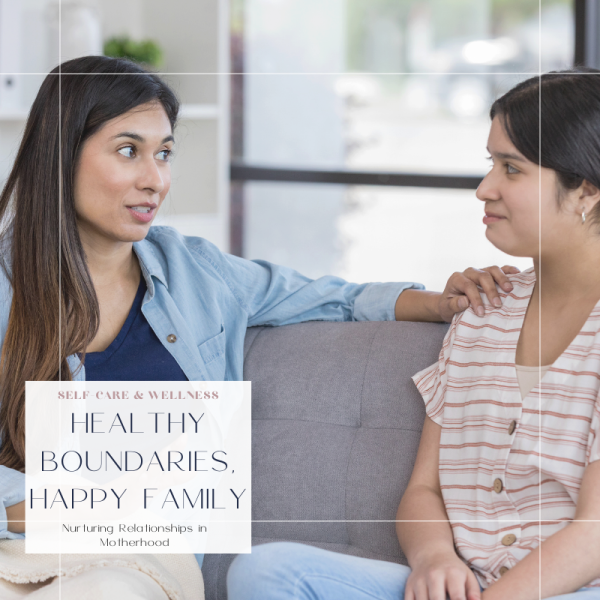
<point>461,290</point>
<point>442,576</point>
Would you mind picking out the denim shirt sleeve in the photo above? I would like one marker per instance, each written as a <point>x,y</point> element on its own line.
<point>12,491</point>
<point>275,295</point>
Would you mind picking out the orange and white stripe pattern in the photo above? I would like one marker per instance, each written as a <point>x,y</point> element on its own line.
<point>511,468</point>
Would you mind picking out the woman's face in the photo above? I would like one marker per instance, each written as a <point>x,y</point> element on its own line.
<point>123,175</point>
<point>519,195</point>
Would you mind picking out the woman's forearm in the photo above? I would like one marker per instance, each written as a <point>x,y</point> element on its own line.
<point>422,525</point>
<point>565,562</point>
<point>418,305</point>
<point>16,517</point>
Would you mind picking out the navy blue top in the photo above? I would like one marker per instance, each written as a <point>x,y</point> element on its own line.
<point>136,354</point>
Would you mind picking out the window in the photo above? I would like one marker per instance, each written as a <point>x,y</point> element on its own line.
<point>363,92</point>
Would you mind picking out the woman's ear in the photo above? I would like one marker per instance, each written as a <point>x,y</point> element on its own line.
<point>588,197</point>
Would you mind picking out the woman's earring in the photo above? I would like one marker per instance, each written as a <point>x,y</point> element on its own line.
<point>582,217</point>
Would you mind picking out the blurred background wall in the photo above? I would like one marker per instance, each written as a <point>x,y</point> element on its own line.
<point>357,93</point>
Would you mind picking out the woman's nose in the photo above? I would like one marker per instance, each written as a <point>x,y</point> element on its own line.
<point>151,178</point>
<point>487,189</point>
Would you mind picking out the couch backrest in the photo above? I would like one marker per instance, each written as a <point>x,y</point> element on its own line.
<point>336,426</point>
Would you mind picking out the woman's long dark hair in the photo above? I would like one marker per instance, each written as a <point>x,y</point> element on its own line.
<point>54,311</point>
<point>554,121</point>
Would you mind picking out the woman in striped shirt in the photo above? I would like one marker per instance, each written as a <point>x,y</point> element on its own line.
<point>510,445</point>
<point>502,502</point>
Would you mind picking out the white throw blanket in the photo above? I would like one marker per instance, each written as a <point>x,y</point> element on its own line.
<point>177,574</point>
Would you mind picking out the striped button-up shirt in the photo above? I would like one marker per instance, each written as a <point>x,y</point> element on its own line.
<point>510,468</point>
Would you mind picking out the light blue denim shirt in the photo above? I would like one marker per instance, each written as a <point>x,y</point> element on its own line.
<point>203,300</point>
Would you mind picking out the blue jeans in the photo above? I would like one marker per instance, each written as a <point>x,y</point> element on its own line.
<point>285,571</point>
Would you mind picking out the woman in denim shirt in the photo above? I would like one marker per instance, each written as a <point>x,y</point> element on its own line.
<point>133,302</point>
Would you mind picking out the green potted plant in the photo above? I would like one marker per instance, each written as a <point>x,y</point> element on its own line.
<point>145,52</point>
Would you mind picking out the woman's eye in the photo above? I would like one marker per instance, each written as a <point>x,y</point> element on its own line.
<point>164,154</point>
<point>511,170</point>
<point>128,151</point>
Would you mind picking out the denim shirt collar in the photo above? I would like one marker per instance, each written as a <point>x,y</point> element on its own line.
<point>151,263</point>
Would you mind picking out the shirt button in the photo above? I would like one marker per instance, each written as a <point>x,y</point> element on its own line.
<point>171,338</point>
<point>498,485</point>
<point>503,570</point>
<point>509,539</point>
<point>511,427</point>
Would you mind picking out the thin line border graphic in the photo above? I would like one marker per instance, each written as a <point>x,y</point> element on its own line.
<point>540,289</point>
<point>270,74</point>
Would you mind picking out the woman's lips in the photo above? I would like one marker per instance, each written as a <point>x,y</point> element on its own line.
<point>143,217</point>
<point>489,218</point>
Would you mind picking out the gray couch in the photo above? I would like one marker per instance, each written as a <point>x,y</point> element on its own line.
<point>336,426</point>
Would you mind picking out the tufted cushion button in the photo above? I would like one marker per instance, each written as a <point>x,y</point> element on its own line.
<point>509,539</point>
<point>171,338</point>
<point>498,485</point>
